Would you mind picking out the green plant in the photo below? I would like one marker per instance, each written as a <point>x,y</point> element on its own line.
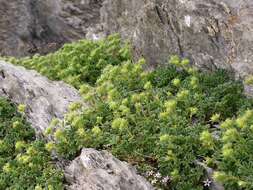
<point>159,121</point>
<point>164,121</point>
<point>79,62</point>
<point>235,157</point>
<point>24,162</point>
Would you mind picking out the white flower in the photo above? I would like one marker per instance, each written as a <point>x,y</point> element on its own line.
<point>207,183</point>
<point>158,175</point>
<point>165,179</point>
<point>154,181</point>
<point>150,173</point>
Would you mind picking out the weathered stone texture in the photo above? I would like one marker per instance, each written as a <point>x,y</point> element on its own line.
<point>99,170</point>
<point>42,26</point>
<point>44,99</point>
<point>212,33</point>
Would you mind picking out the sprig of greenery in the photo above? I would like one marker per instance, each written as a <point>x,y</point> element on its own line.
<point>79,62</point>
<point>161,120</point>
<point>24,162</point>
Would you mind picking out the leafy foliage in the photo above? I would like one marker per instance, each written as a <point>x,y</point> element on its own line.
<point>165,122</point>
<point>235,157</point>
<point>79,62</point>
<point>24,161</point>
<point>162,121</point>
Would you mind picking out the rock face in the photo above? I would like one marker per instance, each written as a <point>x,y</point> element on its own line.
<point>212,33</point>
<point>44,99</point>
<point>42,26</point>
<point>21,31</point>
<point>94,170</point>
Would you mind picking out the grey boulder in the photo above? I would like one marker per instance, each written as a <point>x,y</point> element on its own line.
<point>44,99</point>
<point>99,170</point>
<point>213,34</point>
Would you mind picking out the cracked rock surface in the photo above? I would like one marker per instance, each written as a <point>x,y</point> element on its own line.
<point>44,99</point>
<point>41,26</point>
<point>213,34</point>
<point>99,170</point>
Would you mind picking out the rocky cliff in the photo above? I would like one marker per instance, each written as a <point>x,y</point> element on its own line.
<point>39,26</point>
<point>212,33</point>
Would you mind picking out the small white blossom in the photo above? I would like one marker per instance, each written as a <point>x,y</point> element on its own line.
<point>165,179</point>
<point>150,173</point>
<point>154,181</point>
<point>207,183</point>
<point>158,175</point>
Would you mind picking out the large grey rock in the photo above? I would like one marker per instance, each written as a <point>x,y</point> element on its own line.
<point>99,170</point>
<point>213,33</point>
<point>45,99</point>
<point>23,31</point>
<point>42,26</point>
